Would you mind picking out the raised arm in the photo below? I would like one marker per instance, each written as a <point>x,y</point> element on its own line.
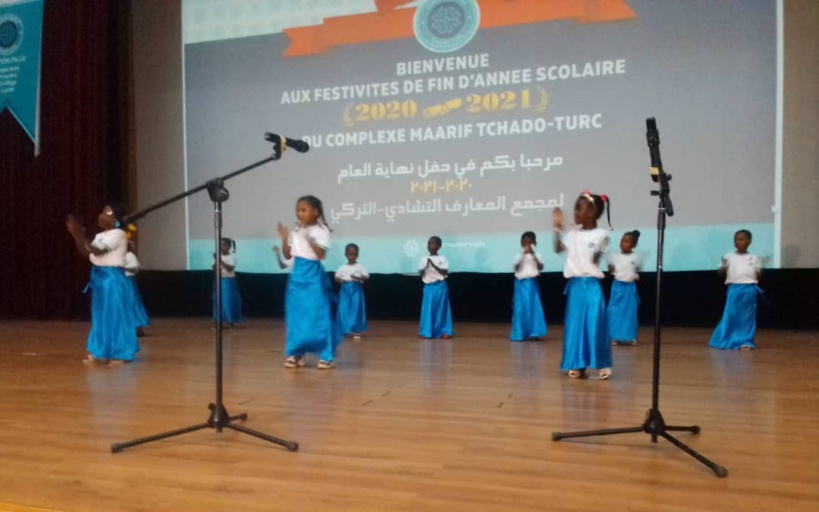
<point>81,240</point>
<point>77,233</point>
<point>557,226</point>
<point>284,234</point>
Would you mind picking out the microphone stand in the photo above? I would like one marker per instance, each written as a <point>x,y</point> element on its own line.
<point>654,424</point>
<point>219,418</point>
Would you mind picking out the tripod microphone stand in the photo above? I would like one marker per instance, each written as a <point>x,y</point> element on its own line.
<point>219,418</point>
<point>654,424</point>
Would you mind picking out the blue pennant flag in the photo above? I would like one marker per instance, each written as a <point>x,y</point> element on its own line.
<point>21,28</point>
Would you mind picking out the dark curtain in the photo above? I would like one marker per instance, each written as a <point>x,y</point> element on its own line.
<point>690,299</point>
<point>83,126</point>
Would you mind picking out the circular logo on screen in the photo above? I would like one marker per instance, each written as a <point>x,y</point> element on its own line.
<point>446,25</point>
<point>412,248</point>
<point>11,34</point>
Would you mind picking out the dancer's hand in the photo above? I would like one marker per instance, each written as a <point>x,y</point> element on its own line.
<point>283,231</point>
<point>73,225</point>
<point>557,219</point>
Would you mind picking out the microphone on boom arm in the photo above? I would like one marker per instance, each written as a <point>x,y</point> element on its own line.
<point>653,137</point>
<point>281,144</point>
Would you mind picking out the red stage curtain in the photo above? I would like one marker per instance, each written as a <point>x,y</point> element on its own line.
<point>83,112</point>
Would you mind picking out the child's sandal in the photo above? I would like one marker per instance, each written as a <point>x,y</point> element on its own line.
<point>293,362</point>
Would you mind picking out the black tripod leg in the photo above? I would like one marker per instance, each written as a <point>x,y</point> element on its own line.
<point>291,446</point>
<point>717,469</point>
<point>694,429</point>
<point>218,415</point>
<point>557,436</point>
<point>118,447</point>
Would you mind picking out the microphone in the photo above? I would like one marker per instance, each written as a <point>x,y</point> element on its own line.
<point>282,143</point>
<point>653,137</point>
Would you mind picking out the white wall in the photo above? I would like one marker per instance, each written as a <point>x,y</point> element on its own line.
<point>159,131</point>
<point>800,148</point>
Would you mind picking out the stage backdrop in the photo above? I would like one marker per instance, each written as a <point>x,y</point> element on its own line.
<point>472,119</point>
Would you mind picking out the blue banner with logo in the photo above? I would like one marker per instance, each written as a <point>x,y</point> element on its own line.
<point>21,28</point>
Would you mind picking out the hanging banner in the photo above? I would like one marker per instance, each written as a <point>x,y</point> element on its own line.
<point>21,27</point>
<point>445,25</point>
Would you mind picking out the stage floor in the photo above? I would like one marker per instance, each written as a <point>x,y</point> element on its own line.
<point>403,424</point>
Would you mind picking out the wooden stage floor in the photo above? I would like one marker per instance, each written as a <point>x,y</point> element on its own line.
<point>403,424</point>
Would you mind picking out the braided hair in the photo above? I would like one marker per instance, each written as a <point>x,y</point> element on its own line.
<point>316,203</point>
<point>601,203</point>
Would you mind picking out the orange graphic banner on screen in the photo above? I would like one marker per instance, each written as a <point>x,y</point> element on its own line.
<point>392,22</point>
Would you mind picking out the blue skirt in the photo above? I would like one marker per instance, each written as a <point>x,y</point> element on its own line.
<point>738,324</point>
<point>112,335</point>
<point>231,301</point>
<point>138,310</point>
<point>622,312</point>
<point>309,312</point>
<point>586,342</point>
<point>436,316</point>
<point>527,311</point>
<point>352,310</point>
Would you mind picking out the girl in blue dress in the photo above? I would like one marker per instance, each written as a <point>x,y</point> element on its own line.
<point>309,305</point>
<point>741,269</point>
<point>112,338</point>
<point>528,321</point>
<point>231,298</point>
<point>624,301</point>
<point>436,314</point>
<point>352,308</point>
<point>585,337</point>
